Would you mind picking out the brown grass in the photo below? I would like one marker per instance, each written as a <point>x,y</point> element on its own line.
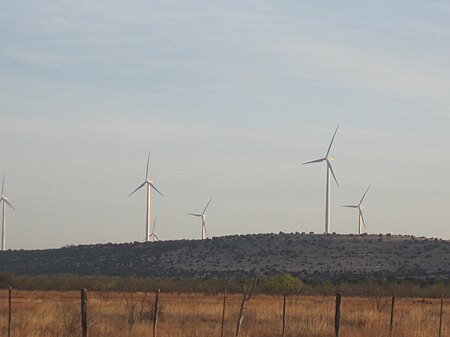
<point>57,314</point>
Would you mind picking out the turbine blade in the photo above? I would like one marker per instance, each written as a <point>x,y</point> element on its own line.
<point>332,172</point>
<point>156,237</point>
<point>362,218</point>
<point>206,206</point>
<point>194,214</point>
<point>314,161</point>
<point>332,140</point>
<point>9,204</point>
<point>153,186</point>
<point>3,184</point>
<point>351,206</point>
<point>154,226</point>
<point>140,186</point>
<point>364,195</point>
<point>146,171</point>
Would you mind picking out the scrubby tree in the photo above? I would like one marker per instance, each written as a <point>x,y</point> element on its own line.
<point>280,283</point>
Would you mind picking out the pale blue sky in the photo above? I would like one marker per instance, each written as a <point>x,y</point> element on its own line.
<point>230,98</point>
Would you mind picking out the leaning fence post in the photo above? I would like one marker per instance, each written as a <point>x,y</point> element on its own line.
<point>223,312</point>
<point>337,317</point>
<point>284,314</point>
<point>9,310</point>
<point>155,316</point>
<point>391,326</point>
<point>84,312</point>
<point>440,315</point>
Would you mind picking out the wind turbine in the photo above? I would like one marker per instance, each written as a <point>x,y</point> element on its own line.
<point>203,216</point>
<point>4,201</point>
<point>149,184</point>
<point>360,208</point>
<point>328,160</point>
<point>153,234</point>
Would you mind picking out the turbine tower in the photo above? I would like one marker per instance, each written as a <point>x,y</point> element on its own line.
<point>153,234</point>
<point>360,207</point>
<point>203,216</point>
<point>4,201</point>
<point>150,186</point>
<point>328,160</point>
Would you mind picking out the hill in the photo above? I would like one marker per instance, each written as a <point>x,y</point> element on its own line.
<point>309,256</point>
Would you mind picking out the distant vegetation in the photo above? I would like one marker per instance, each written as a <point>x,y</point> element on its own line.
<point>273,285</point>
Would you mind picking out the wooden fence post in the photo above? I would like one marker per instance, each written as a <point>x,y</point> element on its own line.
<point>337,317</point>
<point>155,316</point>
<point>84,312</point>
<point>284,315</point>
<point>391,326</point>
<point>223,312</point>
<point>9,310</point>
<point>440,315</point>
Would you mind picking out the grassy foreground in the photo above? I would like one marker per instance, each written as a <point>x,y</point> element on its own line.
<point>52,313</point>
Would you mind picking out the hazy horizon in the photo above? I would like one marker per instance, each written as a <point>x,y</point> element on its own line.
<point>230,99</point>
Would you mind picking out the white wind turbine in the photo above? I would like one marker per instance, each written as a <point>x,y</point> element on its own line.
<point>153,234</point>
<point>4,201</point>
<point>150,185</point>
<point>203,216</point>
<point>360,207</point>
<point>328,160</point>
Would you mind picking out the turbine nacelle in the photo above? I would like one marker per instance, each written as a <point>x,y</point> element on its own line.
<point>153,235</point>
<point>328,159</point>
<point>360,207</point>
<point>203,216</point>
<point>5,202</point>
<point>4,198</point>
<point>149,183</point>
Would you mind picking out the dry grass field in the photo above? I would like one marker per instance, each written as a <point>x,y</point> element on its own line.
<point>57,314</point>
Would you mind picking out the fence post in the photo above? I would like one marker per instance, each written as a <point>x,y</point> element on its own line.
<point>391,326</point>
<point>9,310</point>
<point>84,312</point>
<point>440,315</point>
<point>223,312</point>
<point>155,316</point>
<point>337,317</point>
<point>284,315</point>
